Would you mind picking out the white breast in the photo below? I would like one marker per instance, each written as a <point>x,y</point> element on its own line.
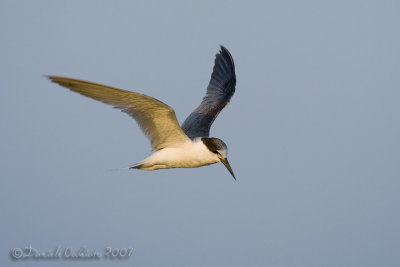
<point>189,155</point>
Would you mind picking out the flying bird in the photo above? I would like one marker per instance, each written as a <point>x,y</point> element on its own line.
<point>173,146</point>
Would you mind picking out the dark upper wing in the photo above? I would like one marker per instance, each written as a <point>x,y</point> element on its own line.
<point>219,92</point>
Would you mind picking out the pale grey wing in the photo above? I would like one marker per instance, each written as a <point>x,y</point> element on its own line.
<point>156,119</point>
<point>219,92</point>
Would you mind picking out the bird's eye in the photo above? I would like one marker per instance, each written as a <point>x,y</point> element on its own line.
<point>216,152</point>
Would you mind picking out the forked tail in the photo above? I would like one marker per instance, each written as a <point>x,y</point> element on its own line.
<point>136,166</point>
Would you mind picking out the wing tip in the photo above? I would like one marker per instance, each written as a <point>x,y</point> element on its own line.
<point>46,76</point>
<point>224,68</point>
<point>224,52</point>
<point>223,49</point>
<point>54,79</point>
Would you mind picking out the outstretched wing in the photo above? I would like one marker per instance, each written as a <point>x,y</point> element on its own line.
<point>219,92</point>
<point>156,119</point>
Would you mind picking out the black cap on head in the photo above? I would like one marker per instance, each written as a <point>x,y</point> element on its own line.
<point>214,144</point>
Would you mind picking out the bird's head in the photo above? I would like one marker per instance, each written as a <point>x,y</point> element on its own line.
<point>219,148</point>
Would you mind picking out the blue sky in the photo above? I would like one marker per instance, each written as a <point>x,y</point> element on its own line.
<point>312,131</point>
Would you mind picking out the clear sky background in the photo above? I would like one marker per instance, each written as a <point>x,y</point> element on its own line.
<point>313,132</point>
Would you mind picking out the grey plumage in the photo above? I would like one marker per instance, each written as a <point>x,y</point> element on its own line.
<point>219,92</point>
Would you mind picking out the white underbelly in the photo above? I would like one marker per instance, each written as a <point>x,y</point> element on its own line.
<point>184,157</point>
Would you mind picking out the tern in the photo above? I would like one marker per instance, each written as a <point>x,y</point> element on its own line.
<point>172,146</point>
